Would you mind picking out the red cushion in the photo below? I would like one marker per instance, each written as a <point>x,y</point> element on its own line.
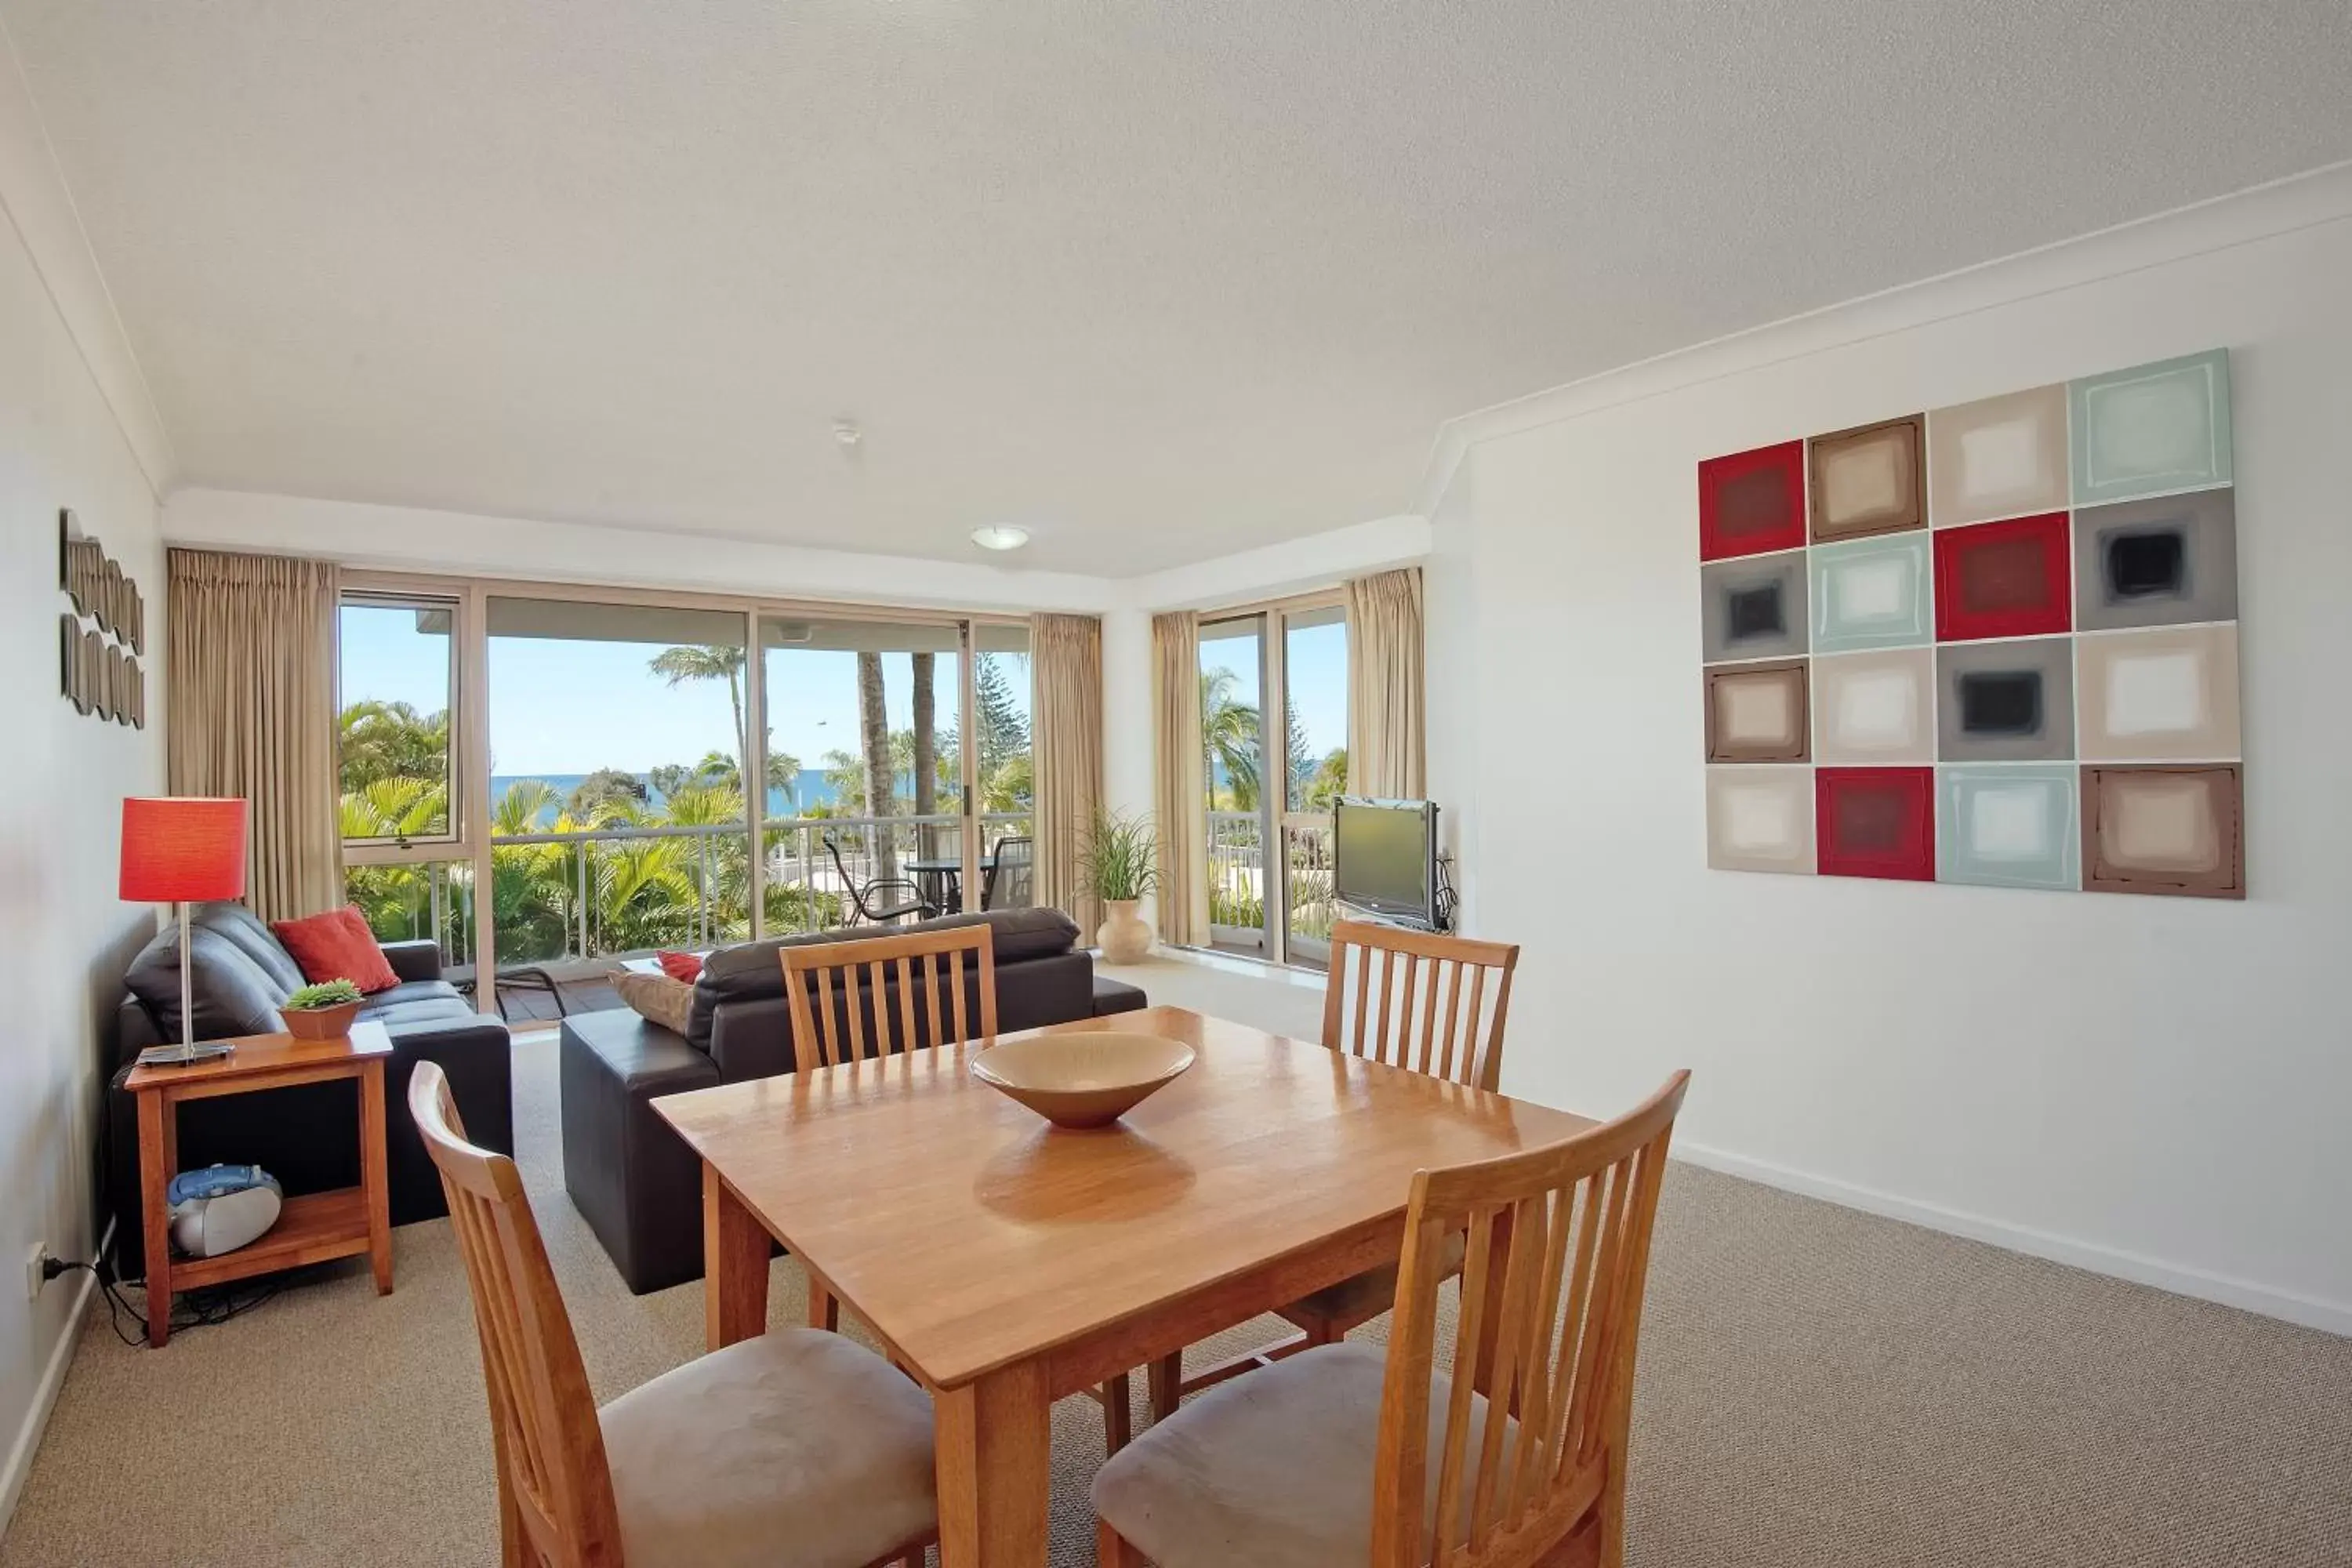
<point>336,946</point>
<point>683,967</point>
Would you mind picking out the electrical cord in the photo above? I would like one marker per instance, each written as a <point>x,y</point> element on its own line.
<point>1444,903</point>
<point>197,1309</point>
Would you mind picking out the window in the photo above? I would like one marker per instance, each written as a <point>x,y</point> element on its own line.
<point>1231,743</point>
<point>394,701</point>
<point>555,778</point>
<point>1006,775</point>
<point>1279,671</point>
<point>864,808</point>
<point>618,748</point>
<point>1315,723</point>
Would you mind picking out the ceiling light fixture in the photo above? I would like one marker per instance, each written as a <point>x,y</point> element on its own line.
<point>1000,536</point>
<point>847,434</point>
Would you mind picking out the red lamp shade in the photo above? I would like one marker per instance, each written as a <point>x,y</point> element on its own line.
<point>183,849</point>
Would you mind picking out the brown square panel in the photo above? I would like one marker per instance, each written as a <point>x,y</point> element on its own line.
<point>2156,829</point>
<point>1869,480</point>
<point>1757,712</point>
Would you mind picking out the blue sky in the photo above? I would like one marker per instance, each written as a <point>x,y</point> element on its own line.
<point>564,706</point>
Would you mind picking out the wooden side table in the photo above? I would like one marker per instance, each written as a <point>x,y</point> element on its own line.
<point>312,1228</point>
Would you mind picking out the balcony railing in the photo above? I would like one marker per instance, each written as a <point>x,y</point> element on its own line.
<point>613,891</point>
<point>610,892</point>
<point>1238,916</point>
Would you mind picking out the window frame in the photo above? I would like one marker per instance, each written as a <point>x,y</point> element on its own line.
<point>455,843</point>
<point>1276,818</point>
<point>467,595</point>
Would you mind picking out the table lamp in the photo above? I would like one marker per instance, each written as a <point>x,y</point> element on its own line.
<point>181,849</point>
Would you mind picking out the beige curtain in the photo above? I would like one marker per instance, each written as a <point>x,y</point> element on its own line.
<point>252,713</point>
<point>1179,791</point>
<point>1066,739</point>
<point>1385,715</point>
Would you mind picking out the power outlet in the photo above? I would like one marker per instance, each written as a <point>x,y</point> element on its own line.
<point>39,1256</point>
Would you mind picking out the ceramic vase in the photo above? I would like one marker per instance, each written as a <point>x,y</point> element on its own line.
<point>1124,938</point>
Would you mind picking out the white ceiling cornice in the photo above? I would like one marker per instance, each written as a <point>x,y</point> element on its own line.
<point>2244,218</point>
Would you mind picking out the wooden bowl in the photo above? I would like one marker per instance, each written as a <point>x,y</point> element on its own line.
<point>320,1022</point>
<point>1082,1079</point>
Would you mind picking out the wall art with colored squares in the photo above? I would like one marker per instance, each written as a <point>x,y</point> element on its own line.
<point>1994,644</point>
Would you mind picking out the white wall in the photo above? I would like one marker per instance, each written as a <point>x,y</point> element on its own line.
<point>2157,1088</point>
<point>64,937</point>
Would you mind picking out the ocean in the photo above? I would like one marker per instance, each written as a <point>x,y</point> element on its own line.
<point>810,789</point>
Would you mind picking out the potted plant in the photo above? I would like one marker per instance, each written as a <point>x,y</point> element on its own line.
<point>321,1012</point>
<point>1119,863</point>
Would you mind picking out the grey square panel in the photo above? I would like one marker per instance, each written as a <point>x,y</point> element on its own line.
<point>1754,608</point>
<point>2005,701</point>
<point>2158,562</point>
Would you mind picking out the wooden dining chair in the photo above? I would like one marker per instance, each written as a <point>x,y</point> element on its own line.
<point>837,988</point>
<point>1431,1005</point>
<point>898,983</point>
<point>1512,1454</point>
<point>794,1447</point>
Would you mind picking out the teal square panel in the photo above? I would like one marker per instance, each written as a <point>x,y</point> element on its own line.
<point>2150,431</point>
<point>1872,593</point>
<point>2009,826</point>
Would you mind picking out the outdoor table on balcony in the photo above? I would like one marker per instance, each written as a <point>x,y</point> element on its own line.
<point>941,879</point>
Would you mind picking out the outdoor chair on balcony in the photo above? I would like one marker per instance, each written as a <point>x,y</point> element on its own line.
<point>876,900</point>
<point>1012,882</point>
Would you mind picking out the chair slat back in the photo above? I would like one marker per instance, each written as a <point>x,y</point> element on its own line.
<point>555,1490</point>
<point>1012,880</point>
<point>1433,1004</point>
<point>1559,1253</point>
<point>835,986</point>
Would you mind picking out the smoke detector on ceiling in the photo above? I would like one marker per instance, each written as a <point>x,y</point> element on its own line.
<point>846,434</point>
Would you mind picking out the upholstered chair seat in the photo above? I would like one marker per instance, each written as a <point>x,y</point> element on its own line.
<point>798,1448</point>
<point>1274,1469</point>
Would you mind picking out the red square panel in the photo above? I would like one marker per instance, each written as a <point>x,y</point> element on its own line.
<point>1877,822</point>
<point>1751,503</point>
<point>2004,579</point>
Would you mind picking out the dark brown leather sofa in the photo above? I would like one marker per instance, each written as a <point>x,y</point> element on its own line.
<point>631,1177</point>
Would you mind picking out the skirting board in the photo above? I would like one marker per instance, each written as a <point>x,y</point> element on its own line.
<point>44,1398</point>
<point>2332,1317</point>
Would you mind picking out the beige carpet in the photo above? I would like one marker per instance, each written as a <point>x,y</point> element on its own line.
<point>1818,1387</point>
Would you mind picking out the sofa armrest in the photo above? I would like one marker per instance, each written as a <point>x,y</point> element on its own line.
<point>419,959</point>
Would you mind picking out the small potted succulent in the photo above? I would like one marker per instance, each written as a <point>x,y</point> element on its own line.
<point>1120,864</point>
<point>321,1012</point>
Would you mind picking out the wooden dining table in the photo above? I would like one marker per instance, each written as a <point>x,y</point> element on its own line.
<point>1006,1263</point>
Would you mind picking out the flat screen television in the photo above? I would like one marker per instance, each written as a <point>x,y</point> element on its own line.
<point>1384,859</point>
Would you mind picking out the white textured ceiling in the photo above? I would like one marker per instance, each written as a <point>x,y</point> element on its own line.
<point>1158,281</point>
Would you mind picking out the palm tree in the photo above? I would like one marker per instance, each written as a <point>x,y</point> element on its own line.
<point>1229,739</point>
<point>881,771</point>
<point>924,749</point>
<point>708,662</point>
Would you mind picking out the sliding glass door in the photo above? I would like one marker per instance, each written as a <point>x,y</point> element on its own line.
<point>1233,710</point>
<point>552,780</point>
<point>1315,727</point>
<point>862,820</point>
<point>1278,672</point>
<point>618,748</point>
